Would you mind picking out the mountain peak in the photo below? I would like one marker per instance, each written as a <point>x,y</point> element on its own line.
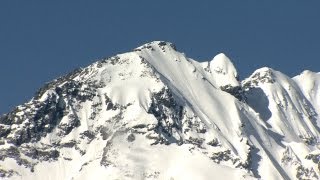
<point>261,75</point>
<point>222,64</point>
<point>155,45</point>
<point>223,68</point>
<point>309,73</point>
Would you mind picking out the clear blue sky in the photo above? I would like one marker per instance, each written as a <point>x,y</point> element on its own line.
<point>42,39</point>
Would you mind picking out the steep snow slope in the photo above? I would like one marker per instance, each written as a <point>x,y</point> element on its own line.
<point>309,84</point>
<point>153,113</point>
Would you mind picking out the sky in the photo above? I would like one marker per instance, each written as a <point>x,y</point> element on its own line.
<point>41,40</point>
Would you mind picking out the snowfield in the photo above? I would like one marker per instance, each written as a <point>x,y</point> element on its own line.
<point>154,113</point>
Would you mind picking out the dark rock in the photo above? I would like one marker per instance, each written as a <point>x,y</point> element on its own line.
<point>41,154</point>
<point>88,134</point>
<point>131,138</point>
<point>306,173</point>
<point>221,156</point>
<point>11,152</point>
<point>169,115</point>
<point>4,130</point>
<point>7,173</point>
<point>57,81</point>
<point>195,141</point>
<point>69,144</point>
<point>104,132</point>
<point>104,160</point>
<point>68,127</point>
<point>314,157</point>
<point>140,126</point>
<point>235,91</point>
<point>214,143</point>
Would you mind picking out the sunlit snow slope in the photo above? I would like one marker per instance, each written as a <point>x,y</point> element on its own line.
<point>153,113</point>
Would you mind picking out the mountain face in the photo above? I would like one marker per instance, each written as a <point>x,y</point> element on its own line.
<point>153,113</point>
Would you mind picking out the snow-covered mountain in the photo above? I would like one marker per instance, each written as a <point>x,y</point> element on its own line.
<point>154,113</point>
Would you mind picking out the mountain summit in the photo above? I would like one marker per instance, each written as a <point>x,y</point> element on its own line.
<point>223,71</point>
<point>154,113</point>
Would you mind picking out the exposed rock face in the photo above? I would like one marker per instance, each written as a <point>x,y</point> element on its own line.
<point>155,114</point>
<point>235,91</point>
